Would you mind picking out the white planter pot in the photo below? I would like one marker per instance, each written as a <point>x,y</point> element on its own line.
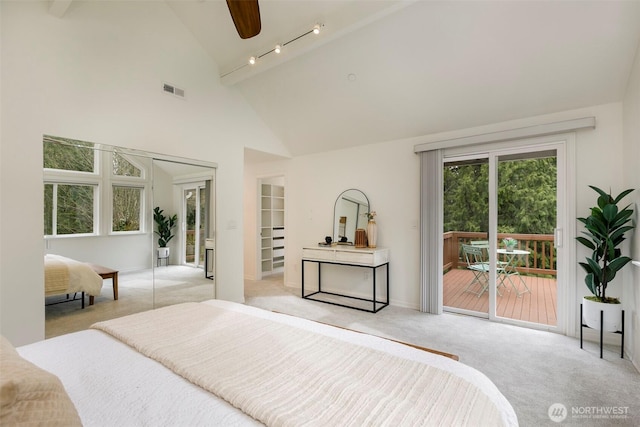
<point>612,315</point>
<point>163,252</point>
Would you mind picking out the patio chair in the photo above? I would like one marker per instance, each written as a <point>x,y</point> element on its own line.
<point>475,259</point>
<point>484,244</point>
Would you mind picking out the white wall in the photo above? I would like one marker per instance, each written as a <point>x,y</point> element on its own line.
<point>106,250</point>
<point>387,173</point>
<point>96,75</point>
<point>631,156</point>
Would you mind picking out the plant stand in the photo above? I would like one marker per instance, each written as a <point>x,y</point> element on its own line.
<point>582,325</point>
<point>160,258</point>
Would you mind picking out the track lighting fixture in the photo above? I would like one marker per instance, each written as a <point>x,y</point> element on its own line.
<point>278,48</point>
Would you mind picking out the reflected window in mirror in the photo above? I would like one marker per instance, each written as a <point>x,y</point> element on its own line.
<point>349,215</point>
<point>78,186</point>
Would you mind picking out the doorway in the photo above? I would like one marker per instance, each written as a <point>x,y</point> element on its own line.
<point>271,226</point>
<point>501,216</point>
<point>194,208</point>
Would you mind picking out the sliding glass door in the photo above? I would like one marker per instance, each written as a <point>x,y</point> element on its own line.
<point>526,220</point>
<point>466,234</point>
<point>194,225</point>
<point>500,216</point>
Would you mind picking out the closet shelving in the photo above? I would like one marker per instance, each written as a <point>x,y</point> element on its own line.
<point>272,228</point>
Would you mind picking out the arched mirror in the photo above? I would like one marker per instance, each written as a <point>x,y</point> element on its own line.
<point>349,215</point>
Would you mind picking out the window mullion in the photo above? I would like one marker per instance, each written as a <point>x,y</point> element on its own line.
<point>54,213</point>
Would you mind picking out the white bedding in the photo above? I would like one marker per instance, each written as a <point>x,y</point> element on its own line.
<point>121,387</point>
<point>79,277</point>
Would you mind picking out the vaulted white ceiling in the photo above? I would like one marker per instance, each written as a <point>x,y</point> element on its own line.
<point>387,70</point>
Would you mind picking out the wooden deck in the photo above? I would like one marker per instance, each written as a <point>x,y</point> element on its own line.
<point>539,306</point>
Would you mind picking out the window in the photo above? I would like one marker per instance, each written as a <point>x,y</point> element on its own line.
<point>123,167</point>
<point>68,155</point>
<point>88,190</point>
<point>128,190</point>
<point>68,209</point>
<point>127,210</point>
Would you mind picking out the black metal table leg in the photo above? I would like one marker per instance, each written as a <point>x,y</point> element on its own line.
<point>581,325</point>
<point>601,332</point>
<point>622,339</point>
<point>374,289</point>
<point>302,268</point>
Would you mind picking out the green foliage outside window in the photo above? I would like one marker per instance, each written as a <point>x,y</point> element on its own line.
<point>126,208</point>
<point>74,214</point>
<point>69,203</point>
<point>48,209</point>
<point>68,154</point>
<point>526,197</point>
<point>466,198</point>
<point>123,167</point>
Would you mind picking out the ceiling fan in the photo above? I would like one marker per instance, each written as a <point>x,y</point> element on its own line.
<point>246,17</point>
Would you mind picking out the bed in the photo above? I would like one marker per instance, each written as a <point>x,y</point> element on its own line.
<point>64,275</point>
<point>222,363</point>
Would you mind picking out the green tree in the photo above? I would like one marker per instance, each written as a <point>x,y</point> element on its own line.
<point>526,196</point>
<point>126,208</point>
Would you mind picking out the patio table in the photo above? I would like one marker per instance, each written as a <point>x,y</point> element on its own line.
<point>511,267</point>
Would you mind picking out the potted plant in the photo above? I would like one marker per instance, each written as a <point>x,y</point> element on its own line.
<point>164,230</point>
<point>605,229</point>
<point>509,243</point>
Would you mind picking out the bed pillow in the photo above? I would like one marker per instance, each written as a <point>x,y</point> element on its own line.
<point>30,395</point>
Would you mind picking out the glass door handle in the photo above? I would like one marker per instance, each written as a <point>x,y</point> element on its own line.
<point>557,237</point>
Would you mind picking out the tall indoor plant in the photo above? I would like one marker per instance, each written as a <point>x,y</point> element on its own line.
<point>164,230</point>
<point>605,229</point>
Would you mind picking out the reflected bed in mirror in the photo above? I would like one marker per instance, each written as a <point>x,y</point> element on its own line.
<point>348,215</point>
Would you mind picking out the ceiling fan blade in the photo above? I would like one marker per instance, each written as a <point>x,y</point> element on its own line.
<point>246,17</point>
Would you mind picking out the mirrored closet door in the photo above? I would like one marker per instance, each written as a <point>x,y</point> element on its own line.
<point>119,220</point>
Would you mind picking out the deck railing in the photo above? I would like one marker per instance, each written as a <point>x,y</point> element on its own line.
<point>541,260</point>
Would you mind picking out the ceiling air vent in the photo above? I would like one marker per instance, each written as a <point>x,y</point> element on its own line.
<point>166,87</point>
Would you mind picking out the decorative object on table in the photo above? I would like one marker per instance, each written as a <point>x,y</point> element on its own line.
<point>361,238</point>
<point>605,229</point>
<point>327,241</point>
<point>509,243</point>
<point>372,229</point>
<point>164,230</point>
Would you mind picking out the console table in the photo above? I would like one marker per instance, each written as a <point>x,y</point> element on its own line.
<point>372,258</point>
